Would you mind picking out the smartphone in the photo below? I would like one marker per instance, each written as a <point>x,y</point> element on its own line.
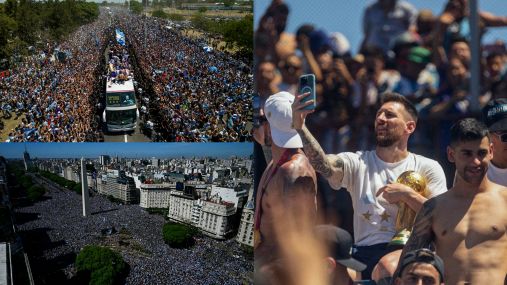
<point>307,84</point>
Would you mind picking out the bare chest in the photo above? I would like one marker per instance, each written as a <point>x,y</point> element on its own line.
<point>471,223</point>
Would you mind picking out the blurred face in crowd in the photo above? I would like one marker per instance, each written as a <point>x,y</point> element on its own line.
<point>419,273</point>
<point>471,159</point>
<point>495,65</point>
<point>267,73</point>
<point>499,148</point>
<point>291,68</point>
<point>325,60</point>
<point>460,50</point>
<point>457,73</point>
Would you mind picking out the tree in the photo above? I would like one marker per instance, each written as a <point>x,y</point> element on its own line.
<point>178,235</point>
<point>104,265</point>
<point>228,3</point>
<point>203,10</point>
<point>35,192</point>
<point>10,8</point>
<point>136,7</point>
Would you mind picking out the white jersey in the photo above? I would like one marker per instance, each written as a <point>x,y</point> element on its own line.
<point>497,175</point>
<point>364,174</point>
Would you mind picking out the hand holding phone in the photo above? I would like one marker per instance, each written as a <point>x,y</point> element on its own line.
<point>307,85</point>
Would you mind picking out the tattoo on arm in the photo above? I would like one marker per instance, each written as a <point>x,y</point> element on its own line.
<point>316,154</point>
<point>422,233</point>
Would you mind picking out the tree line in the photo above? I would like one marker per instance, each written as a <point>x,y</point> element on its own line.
<point>25,23</point>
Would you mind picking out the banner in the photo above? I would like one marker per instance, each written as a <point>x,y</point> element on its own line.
<point>120,37</point>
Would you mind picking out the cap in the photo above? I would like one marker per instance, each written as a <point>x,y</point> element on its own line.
<point>419,55</point>
<point>494,115</point>
<point>319,41</point>
<point>339,243</point>
<point>339,43</point>
<point>278,112</point>
<point>423,255</point>
<point>405,39</point>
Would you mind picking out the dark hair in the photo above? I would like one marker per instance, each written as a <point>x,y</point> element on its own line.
<point>395,97</point>
<point>305,29</point>
<point>468,129</point>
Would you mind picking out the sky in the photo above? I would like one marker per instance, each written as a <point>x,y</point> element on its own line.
<point>345,15</point>
<point>128,150</point>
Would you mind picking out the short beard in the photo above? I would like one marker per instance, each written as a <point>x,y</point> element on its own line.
<point>385,142</point>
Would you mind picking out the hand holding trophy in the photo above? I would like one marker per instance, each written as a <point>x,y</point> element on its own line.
<point>406,216</point>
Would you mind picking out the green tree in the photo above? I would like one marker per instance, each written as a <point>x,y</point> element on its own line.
<point>104,265</point>
<point>35,192</point>
<point>159,14</point>
<point>228,3</point>
<point>178,235</point>
<point>136,7</point>
<point>203,10</point>
<point>7,28</point>
<point>10,8</point>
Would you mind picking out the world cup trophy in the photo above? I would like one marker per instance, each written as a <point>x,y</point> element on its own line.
<point>406,216</point>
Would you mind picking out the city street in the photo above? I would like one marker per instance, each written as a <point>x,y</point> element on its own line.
<point>54,231</point>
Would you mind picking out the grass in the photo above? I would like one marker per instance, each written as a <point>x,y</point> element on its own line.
<point>8,125</point>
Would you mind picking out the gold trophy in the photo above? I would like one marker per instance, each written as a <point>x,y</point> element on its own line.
<point>406,216</point>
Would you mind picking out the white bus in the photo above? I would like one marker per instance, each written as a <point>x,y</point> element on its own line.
<point>121,111</point>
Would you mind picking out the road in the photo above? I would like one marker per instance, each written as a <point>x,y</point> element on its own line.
<point>132,136</point>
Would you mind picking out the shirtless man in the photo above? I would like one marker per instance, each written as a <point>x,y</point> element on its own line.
<point>286,198</point>
<point>468,223</point>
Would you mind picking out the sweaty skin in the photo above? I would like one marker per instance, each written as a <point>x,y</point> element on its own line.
<point>468,223</point>
<point>290,194</point>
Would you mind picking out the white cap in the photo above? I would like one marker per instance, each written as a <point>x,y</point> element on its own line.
<point>278,111</point>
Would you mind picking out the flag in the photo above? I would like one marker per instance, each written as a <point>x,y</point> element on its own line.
<point>120,37</point>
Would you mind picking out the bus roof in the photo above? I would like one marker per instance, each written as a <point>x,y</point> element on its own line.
<point>120,86</point>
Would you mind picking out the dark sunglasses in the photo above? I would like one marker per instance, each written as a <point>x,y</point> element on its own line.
<point>502,136</point>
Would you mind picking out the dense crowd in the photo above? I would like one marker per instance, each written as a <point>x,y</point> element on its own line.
<point>422,56</point>
<point>192,92</point>
<point>208,262</point>
<point>54,90</point>
<point>201,94</point>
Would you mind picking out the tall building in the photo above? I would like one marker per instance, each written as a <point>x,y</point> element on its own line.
<point>155,195</point>
<point>181,207</point>
<point>246,226</point>
<point>217,218</point>
<point>104,160</point>
<point>155,162</point>
<point>26,158</point>
<point>120,186</point>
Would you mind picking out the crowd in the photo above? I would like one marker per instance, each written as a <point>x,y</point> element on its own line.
<point>55,91</point>
<point>192,93</point>
<point>154,262</point>
<point>200,94</point>
<point>422,56</point>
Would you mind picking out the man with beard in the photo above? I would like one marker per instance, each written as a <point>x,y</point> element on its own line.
<point>370,176</point>
<point>468,223</point>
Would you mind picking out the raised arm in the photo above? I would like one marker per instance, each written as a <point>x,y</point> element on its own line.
<point>422,235</point>
<point>330,166</point>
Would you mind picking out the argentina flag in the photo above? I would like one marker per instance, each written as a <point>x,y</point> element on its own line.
<point>120,37</point>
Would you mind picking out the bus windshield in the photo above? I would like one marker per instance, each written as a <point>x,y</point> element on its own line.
<point>120,99</point>
<point>121,117</point>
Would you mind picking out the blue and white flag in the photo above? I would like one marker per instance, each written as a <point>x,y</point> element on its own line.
<point>120,37</point>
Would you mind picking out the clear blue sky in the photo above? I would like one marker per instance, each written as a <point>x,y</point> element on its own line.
<point>345,16</point>
<point>93,150</point>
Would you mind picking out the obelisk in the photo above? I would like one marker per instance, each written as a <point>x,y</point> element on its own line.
<point>84,188</point>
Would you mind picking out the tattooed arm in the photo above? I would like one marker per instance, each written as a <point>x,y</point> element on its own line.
<point>330,166</point>
<point>422,235</point>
